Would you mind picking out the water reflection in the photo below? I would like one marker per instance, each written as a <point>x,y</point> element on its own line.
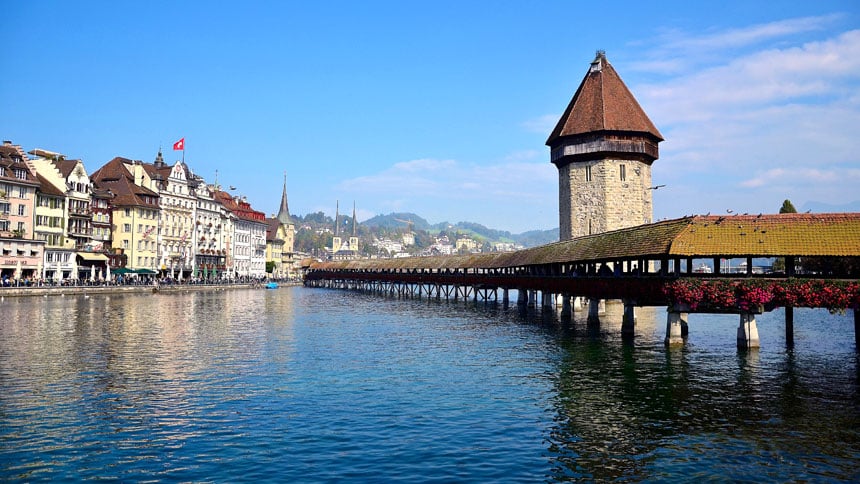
<point>310,385</point>
<point>632,411</point>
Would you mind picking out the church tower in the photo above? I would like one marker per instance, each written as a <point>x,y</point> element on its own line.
<point>603,146</point>
<point>353,241</point>
<point>286,221</point>
<point>335,241</point>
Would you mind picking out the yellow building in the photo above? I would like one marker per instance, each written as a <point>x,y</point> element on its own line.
<point>134,211</point>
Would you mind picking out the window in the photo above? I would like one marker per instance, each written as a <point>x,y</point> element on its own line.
<point>588,173</point>
<point>128,214</point>
<point>21,210</point>
<point>125,244</point>
<point>126,227</point>
<point>623,171</point>
<point>21,174</point>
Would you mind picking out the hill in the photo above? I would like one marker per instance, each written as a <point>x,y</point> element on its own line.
<point>400,220</point>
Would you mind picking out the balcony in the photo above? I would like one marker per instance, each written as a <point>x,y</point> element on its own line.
<point>4,215</point>
<point>77,231</point>
<point>80,212</point>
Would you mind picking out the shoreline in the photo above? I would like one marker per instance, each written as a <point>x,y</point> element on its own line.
<point>85,290</point>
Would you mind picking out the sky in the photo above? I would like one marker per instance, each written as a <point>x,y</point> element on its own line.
<point>442,108</point>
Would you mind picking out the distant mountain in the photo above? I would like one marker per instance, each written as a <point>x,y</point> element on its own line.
<point>400,220</point>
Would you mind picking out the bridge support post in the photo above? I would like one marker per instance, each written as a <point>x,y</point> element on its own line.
<point>506,301</point>
<point>789,327</point>
<point>628,321</point>
<point>566,312</point>
<point>532,298</point>
<point>747,332</point>
<point>675,320</point>
<point>521,297</point>
<point>546,301</point>
<point>593,310</point>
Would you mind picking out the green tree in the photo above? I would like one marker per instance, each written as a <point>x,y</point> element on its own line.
<point>787,207</point>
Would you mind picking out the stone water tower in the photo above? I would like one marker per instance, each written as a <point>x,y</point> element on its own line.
<point>603,146</point>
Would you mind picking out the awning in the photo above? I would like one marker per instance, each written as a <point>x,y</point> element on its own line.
<point>145,271</point>
<point>92,256</point>
<point>121,270</point>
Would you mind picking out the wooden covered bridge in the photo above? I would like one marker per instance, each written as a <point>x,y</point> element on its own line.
<point>659,264</point>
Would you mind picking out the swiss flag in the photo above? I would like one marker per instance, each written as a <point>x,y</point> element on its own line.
<point>179,145</point>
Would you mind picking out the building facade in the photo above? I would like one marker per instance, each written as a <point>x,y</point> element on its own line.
<point>20,254</point>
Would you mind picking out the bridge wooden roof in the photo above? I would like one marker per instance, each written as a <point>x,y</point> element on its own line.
<point>699,236</point>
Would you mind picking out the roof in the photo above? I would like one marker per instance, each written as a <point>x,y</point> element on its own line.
<point>48,188</point>
<point>114,176</point>
<point>239,207</point>
<point>11,158</point>
<point>284,211</point>
<point>602,103</point>
<point>273,224</point>
<point>700,236</point>
<point>65,167</point>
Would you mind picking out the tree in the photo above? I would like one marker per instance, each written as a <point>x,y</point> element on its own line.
<point>787,207</point>
<point>779,262</point>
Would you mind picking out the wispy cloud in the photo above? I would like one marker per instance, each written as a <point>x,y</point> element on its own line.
<point>432,187</point>
<point>777,119</point>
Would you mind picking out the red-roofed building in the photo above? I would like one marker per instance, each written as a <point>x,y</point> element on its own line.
<point>249,237</point>
<point>603,145</point>
<point>134,213</point>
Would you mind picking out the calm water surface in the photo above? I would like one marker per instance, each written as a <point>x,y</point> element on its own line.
<point>313,385</point>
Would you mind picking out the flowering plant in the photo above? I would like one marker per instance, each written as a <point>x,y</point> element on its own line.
<point>755,293</point>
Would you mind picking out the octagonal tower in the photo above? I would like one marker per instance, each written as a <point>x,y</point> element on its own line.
<point>603,146</point>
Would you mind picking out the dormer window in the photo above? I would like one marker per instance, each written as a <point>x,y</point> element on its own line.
<point>21,174</point>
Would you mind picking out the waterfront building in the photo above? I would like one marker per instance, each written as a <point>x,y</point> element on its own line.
<point>50,226</point>
<point>249,237</point>
<point>275,248</point>
<point>213,233</point>
<point>603,146</point>
<point>67,191</point>
<point>20,254</point>
<point>288,260</point>
<point>134,211</point>
<point>100,203</point>
<point>177,222</point>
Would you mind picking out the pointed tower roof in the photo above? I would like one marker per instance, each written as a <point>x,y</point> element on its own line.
<point>284,212</point>
<point>354,222</point>
<point>336,218</point>
<point>602,103</point>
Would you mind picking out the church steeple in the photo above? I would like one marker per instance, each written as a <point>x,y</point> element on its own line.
<point>354,222</point>
<point>284,212</point>
<point>336,218</point>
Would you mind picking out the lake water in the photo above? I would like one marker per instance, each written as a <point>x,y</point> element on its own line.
<point>314,385</point>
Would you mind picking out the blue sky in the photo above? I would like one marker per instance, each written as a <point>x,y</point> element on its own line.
<point>442,108</point>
